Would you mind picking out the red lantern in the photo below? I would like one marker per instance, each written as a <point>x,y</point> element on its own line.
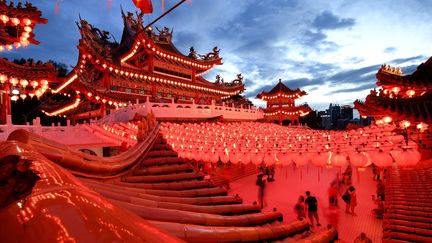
<point>358,159</point>
<point>302,158</point>
<point>257,158</point>
<point>270,158</point>
<point>381,158</point>
<point>339,159</point>
<point>406,157</point>
<point>321,159</point>
<point>145,6</point>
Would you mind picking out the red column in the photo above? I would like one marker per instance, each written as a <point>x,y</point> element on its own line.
<point>193,74</point>
<point>103,110</point>
<point>150,63</point>
<point>5,105</point>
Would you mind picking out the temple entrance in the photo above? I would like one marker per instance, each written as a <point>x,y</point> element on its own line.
<point>286,122</point>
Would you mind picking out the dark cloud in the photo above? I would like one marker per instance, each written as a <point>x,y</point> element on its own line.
<point>390,49</point>
<point>399,61</point>
<point>328,20</point>
<point>311,38</point>
<point>362,87</point>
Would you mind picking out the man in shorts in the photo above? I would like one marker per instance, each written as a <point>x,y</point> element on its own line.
<point>312,208</point>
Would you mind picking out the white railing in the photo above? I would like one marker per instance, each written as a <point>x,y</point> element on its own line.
<point>172,110</point>
<point>69,135</point>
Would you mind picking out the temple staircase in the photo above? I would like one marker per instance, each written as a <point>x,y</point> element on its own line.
<point>408,204</point>
<point>166,190</point>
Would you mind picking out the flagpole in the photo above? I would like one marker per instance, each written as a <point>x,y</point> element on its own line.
<point>167,12</point>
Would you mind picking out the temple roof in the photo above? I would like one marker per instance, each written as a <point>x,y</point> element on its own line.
<point>417,109</point>
<point>282,89</point>
<point>17,24</point>
<point>420,78</point>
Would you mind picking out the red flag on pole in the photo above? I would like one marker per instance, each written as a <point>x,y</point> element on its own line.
<point>163,5</point>
<point>145,6</point>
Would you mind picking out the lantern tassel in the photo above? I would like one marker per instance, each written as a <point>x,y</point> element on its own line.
<point>301,174</point>
<point>319,179</point>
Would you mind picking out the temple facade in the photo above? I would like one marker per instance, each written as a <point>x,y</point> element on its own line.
<point>281,106</point>
<point>31,79</point>
<point>144,65</point>
<point>400,98</point>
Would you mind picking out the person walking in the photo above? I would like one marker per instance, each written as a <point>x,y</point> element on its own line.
<point>380,189</point>
<point>299,208</point>
<point>261,186</point>
<point>312,208</point>
<point>333,194</point>
<point>353,199</point>
<point>346,197</point>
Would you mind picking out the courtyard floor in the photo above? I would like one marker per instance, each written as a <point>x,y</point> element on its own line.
<point>290,183</point>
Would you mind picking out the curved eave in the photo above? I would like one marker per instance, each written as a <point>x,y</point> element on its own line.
<point>386,78</point>
<point>413,109</point>
<point>202,65</point>
<point>144,76</point>
<point>296,94</point>
<point>287,111</point>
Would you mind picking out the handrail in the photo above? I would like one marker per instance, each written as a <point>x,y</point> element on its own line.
<point>86,165</point>
<point>51,198</point>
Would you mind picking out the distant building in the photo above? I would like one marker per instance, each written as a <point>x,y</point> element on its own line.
<point>337,117</point>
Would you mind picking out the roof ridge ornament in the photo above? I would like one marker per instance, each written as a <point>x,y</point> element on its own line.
<point>392,70</point>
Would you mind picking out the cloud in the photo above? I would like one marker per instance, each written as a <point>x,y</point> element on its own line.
<point>390,49</point>
<point>362,87</point>
<point>328,20</point>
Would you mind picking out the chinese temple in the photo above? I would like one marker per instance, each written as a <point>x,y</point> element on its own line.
<point>165,180</point>
<point>281,104</point>
<point>400,97</point>
<point>20,81</point>
<point>144,65</point>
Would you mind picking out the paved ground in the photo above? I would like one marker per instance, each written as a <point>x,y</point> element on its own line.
<point>290,183</point>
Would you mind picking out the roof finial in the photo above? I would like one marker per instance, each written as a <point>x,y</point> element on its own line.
<point>280,80</point>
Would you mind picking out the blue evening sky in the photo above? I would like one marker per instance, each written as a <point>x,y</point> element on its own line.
<point>331,49</point>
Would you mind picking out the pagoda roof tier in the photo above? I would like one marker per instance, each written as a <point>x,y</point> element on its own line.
<point>419,79</point>
<point>414,109</point>
<point>161,44</point>
<point>87,64</point>
<point>29,71</point>
<point>18,22</point>
<point>288,110</point>
<point>281,91</point>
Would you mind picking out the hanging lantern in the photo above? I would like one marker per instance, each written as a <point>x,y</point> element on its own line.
<point>406,157</point>
<point>321,158</point>
<point>257,158</point>
<point>339,159</point>
<point>246,158</point>
<point>301,159</point>
<point>270,158</point>
<point>381,158</point>
<point>358,159</point>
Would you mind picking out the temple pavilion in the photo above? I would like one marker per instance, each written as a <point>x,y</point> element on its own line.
<point>32,78</point>
<point>281,106</point>
<point>144,65</point>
